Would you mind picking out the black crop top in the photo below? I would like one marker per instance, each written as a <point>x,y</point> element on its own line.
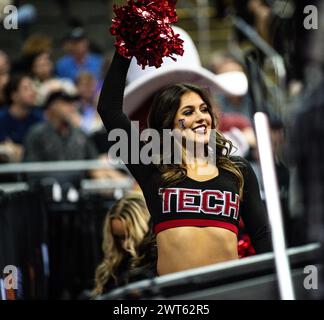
<point>211,203</point>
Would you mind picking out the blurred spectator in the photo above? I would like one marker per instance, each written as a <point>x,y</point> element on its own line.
<point>307,149</point>
<point>262,14</point>
<point>128,245</point>
<point>239,130</point>
<point>281,23</point>
<point>56,138</point>
<point>41,68</point>
<point>225,64</point>
<point>37,42</point>
<point>307,146</point>
<point>18,117</point>
<point>4,75</point>
<point>32,46</point>
<point>86,85</point>
<point>60,139</point>
<point>67,45</point>
<point>233,109</point>
<point>79,59</point>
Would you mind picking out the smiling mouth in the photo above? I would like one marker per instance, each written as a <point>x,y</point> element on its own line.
<point>200,130</point>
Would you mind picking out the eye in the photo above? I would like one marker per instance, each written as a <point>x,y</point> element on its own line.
<point>187,113</point>
<point>204,109</point>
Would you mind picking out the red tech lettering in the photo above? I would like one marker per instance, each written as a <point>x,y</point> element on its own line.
<point>166,198</point>
<point>195,201</point>
<point>206,207</point>
<point>186,200</point>
<point>231,205</point>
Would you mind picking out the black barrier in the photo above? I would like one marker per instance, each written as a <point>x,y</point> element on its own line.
<point>23,245</point>
<point>249,278</point>
<point>54,246</point>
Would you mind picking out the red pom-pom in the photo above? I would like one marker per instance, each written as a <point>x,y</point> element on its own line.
<point>245,247</point>
<point>142,29</point>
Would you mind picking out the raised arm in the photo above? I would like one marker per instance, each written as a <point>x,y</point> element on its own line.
<point>110,104</point>
<point>110,109</point>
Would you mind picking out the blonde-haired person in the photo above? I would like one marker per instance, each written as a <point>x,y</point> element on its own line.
<point>128,245</point>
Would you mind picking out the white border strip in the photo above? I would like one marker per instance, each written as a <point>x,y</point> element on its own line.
<point>273,206</point>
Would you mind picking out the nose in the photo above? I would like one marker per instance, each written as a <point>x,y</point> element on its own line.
<point>200,116</point>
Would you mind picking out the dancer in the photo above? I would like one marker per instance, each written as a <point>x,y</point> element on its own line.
<point>195,216</point>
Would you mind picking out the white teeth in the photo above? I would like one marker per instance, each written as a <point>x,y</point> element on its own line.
<point>200,130</point>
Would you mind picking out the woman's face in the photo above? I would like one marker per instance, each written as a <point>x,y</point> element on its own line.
<point>25,94</point>
<point>87,88</point>
<point>194,118</point>
<point>43,66</point>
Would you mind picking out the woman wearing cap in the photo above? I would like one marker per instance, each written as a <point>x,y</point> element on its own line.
<point>195,204</point>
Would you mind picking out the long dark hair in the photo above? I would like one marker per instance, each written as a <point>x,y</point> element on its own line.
<point>161,116</point>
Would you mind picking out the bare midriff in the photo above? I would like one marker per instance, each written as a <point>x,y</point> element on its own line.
<point>184,248</point>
